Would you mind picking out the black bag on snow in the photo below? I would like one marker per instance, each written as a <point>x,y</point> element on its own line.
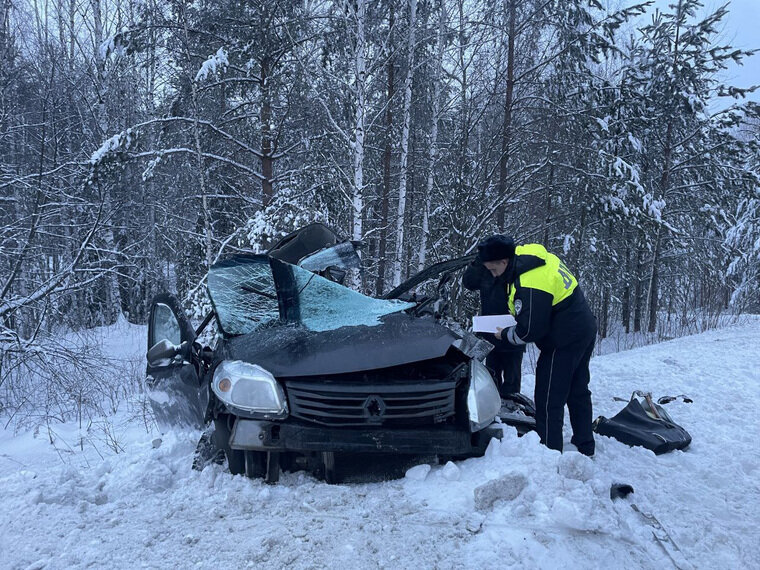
<point>644,423</point>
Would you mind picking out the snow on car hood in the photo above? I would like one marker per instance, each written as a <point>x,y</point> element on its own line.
<point>291,350</point>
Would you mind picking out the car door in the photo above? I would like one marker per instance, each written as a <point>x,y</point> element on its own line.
<point>436,271</point>
<point>173,380</point>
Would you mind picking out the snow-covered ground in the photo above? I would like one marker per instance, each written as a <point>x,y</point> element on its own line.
<point>520,506</point>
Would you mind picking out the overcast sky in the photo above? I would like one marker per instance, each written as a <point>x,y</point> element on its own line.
<point>741,30</point>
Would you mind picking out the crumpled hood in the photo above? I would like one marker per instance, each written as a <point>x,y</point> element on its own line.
<point>290,350</point>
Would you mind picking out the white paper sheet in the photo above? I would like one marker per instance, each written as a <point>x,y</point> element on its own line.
<point>489,323</point>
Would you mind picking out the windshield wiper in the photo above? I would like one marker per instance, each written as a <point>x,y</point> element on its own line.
<point>250,289</point>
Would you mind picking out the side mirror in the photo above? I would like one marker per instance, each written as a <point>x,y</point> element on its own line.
<point>162,350</point>
<point>168,322</point>
<point>164,325</point>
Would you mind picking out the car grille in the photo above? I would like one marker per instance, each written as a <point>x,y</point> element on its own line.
<point>389,404</point>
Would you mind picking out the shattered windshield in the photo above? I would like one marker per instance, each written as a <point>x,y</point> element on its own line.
<point>245,298</point>
<point>325,305</point>
<point>243,293</point>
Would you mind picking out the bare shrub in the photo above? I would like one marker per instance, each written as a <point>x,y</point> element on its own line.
<point>61,380</point>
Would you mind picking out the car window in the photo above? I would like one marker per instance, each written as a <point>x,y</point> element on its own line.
<point>325,305</point>
<point>243,293</point>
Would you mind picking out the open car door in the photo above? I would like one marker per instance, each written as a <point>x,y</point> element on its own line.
<point>419,288</point>
<point>441,270</point>
<point>172,375</point>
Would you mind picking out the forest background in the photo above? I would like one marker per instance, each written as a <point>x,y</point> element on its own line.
<point>141,141</point>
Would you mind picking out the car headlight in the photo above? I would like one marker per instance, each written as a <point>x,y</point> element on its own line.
<point>483,400</point>
<point>250,388</point>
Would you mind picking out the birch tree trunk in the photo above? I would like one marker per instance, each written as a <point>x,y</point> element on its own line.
<point>386,189</point>
<point>360,72</point>
<point>399,259</point>
<point>437,78</point>
<point>113,304</point>
<point>100,67</point>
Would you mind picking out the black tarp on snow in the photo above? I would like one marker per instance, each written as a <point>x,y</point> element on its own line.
<point>645,424</point>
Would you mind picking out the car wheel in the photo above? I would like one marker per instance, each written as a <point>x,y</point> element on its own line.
<point>207,452</point>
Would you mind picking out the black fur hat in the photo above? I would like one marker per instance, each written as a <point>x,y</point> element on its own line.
<point>496,247</point>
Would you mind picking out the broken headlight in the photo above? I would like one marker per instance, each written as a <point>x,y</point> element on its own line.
<point>250,388</point>
<point>483,400</point>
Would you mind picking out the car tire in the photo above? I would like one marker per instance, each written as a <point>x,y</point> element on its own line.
<point>207,452</point>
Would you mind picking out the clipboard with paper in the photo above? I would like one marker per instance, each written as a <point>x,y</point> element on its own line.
<point>489,323</point>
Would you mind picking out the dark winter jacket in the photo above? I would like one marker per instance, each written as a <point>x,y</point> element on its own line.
<point>546,301</point>
<point>493,299</point>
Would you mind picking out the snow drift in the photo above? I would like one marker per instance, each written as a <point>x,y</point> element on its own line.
<point>521,505</point>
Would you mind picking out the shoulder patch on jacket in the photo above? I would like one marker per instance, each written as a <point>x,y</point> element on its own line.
<point>518,306</point>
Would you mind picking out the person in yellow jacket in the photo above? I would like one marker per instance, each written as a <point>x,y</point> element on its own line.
<point>551,311</point>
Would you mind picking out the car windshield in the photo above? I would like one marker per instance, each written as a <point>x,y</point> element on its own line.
<point>245,298</point>
<point>324,305</point>
<point>243,293</point>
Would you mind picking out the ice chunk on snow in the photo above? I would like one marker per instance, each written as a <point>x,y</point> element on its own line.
<point>157,479</point>
<point>506,488</point>
<point>569,514</point>
<point>418,472</point>
<point>451,471</point>
<point>575,466</point>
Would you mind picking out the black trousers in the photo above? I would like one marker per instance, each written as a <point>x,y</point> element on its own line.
<point>506,369</point>
<point>562,378</point>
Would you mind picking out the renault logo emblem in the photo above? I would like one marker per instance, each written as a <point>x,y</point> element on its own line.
<point>374,407</point>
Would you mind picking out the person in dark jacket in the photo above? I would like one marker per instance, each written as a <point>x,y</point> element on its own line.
<point>505,360</point>
<point>550,310</point>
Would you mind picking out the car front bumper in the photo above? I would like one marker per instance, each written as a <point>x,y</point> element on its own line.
<point>258,435</point>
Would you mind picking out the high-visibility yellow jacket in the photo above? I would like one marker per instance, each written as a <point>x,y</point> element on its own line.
<point>544,297</point>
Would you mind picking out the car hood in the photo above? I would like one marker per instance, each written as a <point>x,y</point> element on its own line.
<point>291,350</point>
